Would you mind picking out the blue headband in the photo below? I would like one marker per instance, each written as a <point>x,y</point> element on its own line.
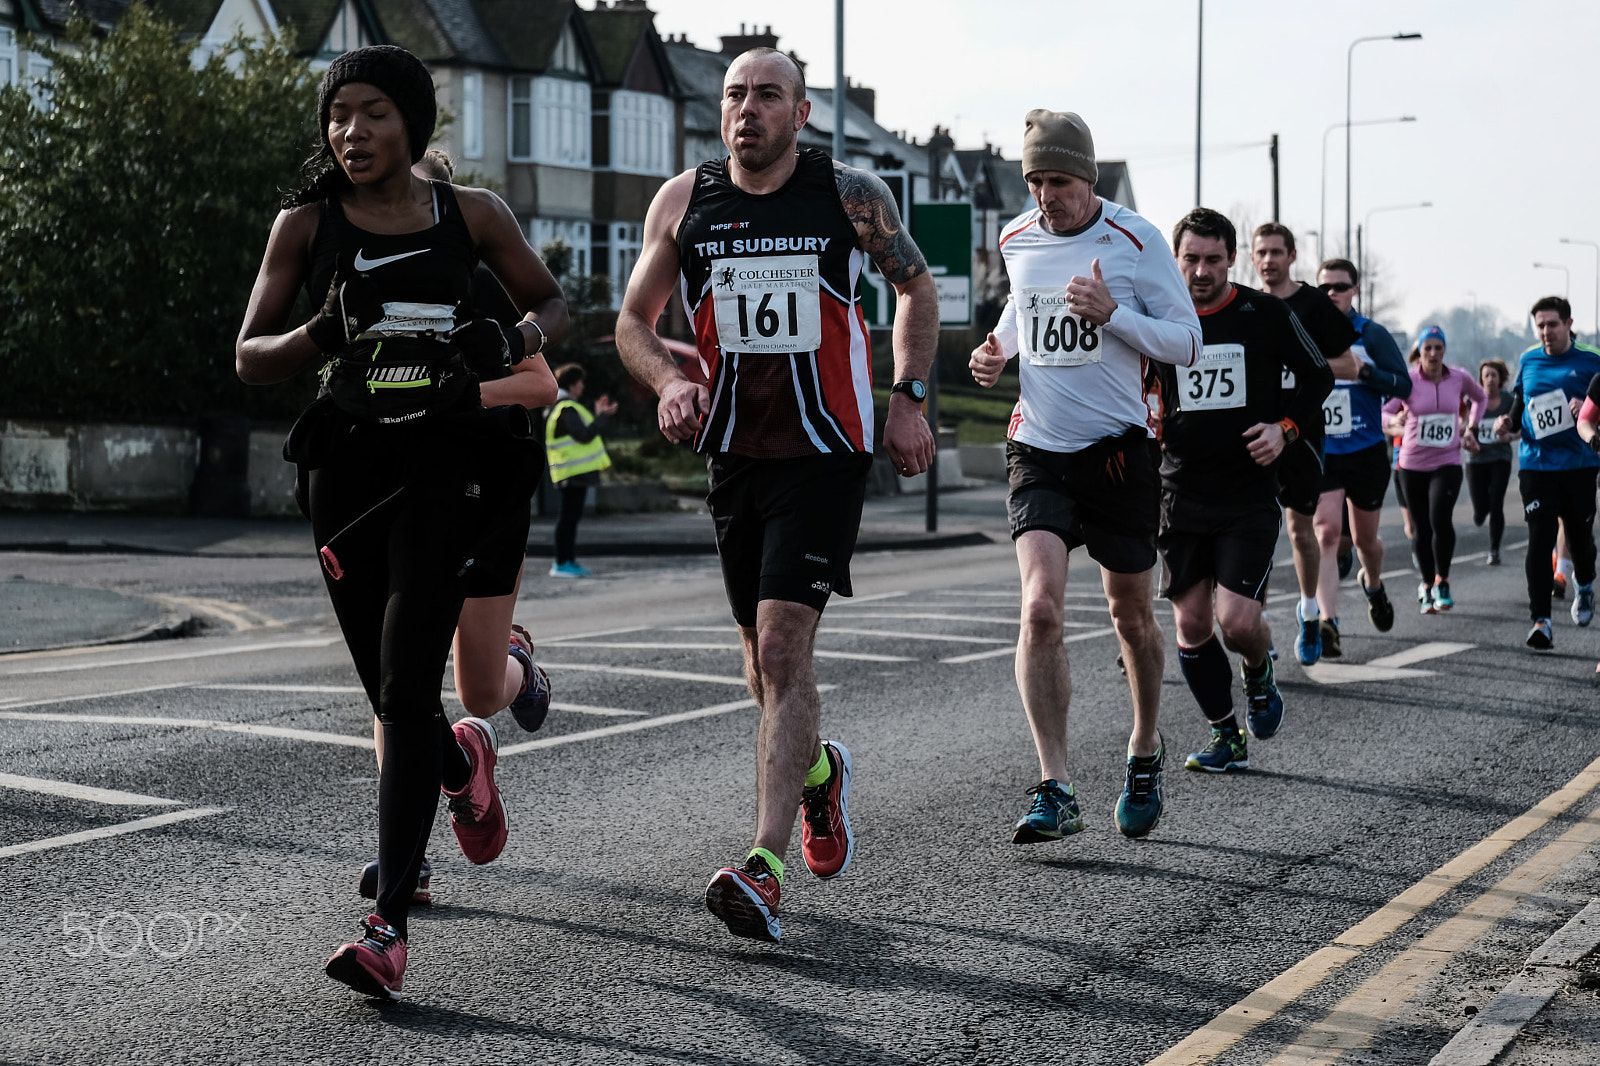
<point>1432,333</point>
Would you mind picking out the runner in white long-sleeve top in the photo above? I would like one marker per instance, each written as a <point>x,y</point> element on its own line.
<point>1095,295</point>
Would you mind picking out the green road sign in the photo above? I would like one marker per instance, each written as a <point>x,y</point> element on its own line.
<point>944,233</point>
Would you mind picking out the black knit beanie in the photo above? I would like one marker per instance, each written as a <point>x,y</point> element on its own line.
<point>400,75</point>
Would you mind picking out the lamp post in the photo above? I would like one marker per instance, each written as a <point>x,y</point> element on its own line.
<point>1322,217</point>
<point>1366,281</point>
<point>1596,247</point>
<point>1561,267</point>
<point>1199,85</point>
<point>1349,65</point>
<point>840,93</point>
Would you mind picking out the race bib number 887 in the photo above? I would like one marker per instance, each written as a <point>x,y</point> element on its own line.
<point>1549,413</point>
<point>768,305</point>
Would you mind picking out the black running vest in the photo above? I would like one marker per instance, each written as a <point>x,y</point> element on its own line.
<point>769,282</point>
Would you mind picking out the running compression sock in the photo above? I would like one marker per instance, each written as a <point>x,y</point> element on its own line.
<point>1309,609</point>
<point>1206,670</point>
<point>773,862</point>
<point>820,770</point>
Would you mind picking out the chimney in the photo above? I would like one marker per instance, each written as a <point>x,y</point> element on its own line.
<point>864,98</point>
<point>737,44</point>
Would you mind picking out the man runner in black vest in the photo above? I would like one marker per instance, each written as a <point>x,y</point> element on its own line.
<point>763,245</point>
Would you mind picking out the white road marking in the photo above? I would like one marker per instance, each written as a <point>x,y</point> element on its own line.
<point>199,653</point>
<point>946,637</point>
<point>22,702</point>
<point>1435,649</point>
<point>1387,574</point>
<point>669,646</point>
<point>330,690</point>
<point>862,656</point>
<point>585,636</point>
<point>846,602</point>
<point>604,712</point>
<point>644,671</point>
<point>1386,668</point>
<point>933,617</point>
<point>193,723</point>
<point>626,727</point>
<point>998,652</point>
<point>236,615</point>
<point>66,789</point>
<point>1514,547</point>
<point>153,822</point>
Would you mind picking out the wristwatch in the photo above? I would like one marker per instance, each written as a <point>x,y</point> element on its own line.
<point>912,388</point>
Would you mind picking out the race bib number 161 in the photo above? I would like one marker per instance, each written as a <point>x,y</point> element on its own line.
<point>767,305</point>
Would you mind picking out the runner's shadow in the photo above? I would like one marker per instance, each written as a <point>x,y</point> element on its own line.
<point>1432,797</point>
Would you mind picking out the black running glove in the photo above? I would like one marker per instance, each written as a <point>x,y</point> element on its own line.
<point>488,347</point>
<point>351,308</point>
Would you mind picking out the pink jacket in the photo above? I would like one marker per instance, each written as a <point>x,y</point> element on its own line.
<point>1434,423</point>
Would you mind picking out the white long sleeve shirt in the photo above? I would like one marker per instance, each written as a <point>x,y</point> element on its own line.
<point>1082,383</point>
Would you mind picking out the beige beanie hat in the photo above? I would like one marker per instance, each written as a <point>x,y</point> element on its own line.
<point>1058,140</point>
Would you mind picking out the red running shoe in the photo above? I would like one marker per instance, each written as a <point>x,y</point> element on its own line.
<point>375,965</point>
<point>825,837</point>
<point>477,813</point>
<point>746,900</point>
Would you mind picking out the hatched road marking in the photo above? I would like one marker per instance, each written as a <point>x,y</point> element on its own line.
<point>169,657</point>
<point>153,822</point>
<point>1387,668</point>
<point>66,789</point>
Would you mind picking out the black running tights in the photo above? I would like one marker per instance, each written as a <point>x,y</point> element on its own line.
<point>1433,499</point>
<point>567,522</point>
<point>1549,497</point>
<point>398,602</point>
<point>1487,483</point>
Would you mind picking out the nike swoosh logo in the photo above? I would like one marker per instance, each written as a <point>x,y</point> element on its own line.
<point>363,263</point>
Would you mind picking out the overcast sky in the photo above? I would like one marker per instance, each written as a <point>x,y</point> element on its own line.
<point>1504,145</point>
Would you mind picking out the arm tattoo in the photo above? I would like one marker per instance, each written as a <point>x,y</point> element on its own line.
<point>870,207</point>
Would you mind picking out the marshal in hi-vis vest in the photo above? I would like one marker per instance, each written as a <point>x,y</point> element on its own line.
<point>569,458</point>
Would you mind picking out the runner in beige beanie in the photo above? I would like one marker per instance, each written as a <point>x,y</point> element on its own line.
<point>1058,140</point>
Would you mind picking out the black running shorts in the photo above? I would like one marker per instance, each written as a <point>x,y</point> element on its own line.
<point>786,528</point>
<point>1107,496</point>
<point>1232,544</point>
<point>1300,476</point>
<point>1362,476</point>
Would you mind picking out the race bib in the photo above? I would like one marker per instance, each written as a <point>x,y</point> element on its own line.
<point>1215,382</point>
<point>1436,431</point>
<point>768,305</point>
<point>1336,413</point>
<point>1486,434</point>
<point>1549,414</point>
<point>1052,335</point>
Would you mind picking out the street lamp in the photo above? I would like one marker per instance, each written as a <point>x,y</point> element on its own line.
<point>1563,269</point>
<point>1596,247</point>
<point>1349,64</point>
<point>1322,218</point>
<point>1366,281</point>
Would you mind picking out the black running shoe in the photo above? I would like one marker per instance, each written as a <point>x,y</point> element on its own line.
<point>1330,639</point>
<point>1379,609</point>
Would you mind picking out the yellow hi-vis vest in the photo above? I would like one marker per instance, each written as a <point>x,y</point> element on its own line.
<point>568,458</point>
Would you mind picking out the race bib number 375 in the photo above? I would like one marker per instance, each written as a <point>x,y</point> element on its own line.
<point>1215,382</point>
<point>1051,334</point>
<point>769,305</point>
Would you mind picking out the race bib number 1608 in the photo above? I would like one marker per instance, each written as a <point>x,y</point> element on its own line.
<point>767,305</point>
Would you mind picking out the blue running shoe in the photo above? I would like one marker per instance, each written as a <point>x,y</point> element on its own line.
<point>1265,704</point>
<point>1308,645</point>
<point>1441,594</point>
<point>1054,814</point>
<point>1139,808</point>
<point>1540,637</point>
<point>570,569</point>
<point>1583,605</point>
<point>1227,751</point>
<point>532,704</point>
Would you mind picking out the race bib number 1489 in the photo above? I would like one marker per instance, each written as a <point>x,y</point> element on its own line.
<point>768,305</point>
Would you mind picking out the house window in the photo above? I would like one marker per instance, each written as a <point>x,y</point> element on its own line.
<point>641,133</point>
<point>8,55</point>
<point>347,32</point>
<point>519,114</point>
<point>472,114</point>
<point>627,241</point>
<point>567,59</point>
<point>553,126</point>
<point>575,235</point>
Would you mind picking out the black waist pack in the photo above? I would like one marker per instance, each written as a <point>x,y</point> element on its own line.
<point>399,380</point>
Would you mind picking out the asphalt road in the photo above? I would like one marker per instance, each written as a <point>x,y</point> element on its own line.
<point>201,938</point>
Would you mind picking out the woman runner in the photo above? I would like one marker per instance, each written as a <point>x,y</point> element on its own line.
<point>400,460</point>
<point>1429,422</point>
<point>1488,469</point>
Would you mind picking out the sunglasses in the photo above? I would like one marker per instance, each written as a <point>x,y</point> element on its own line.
<point>1336,286</point>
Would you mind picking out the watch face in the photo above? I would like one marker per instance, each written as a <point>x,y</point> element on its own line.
<point>919,391</point>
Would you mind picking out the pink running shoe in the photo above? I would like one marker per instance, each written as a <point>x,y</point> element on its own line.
<point>477,813</point>
<point>375,965</point>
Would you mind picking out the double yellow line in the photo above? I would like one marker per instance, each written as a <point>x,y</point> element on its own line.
<point>1352,1023</point>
